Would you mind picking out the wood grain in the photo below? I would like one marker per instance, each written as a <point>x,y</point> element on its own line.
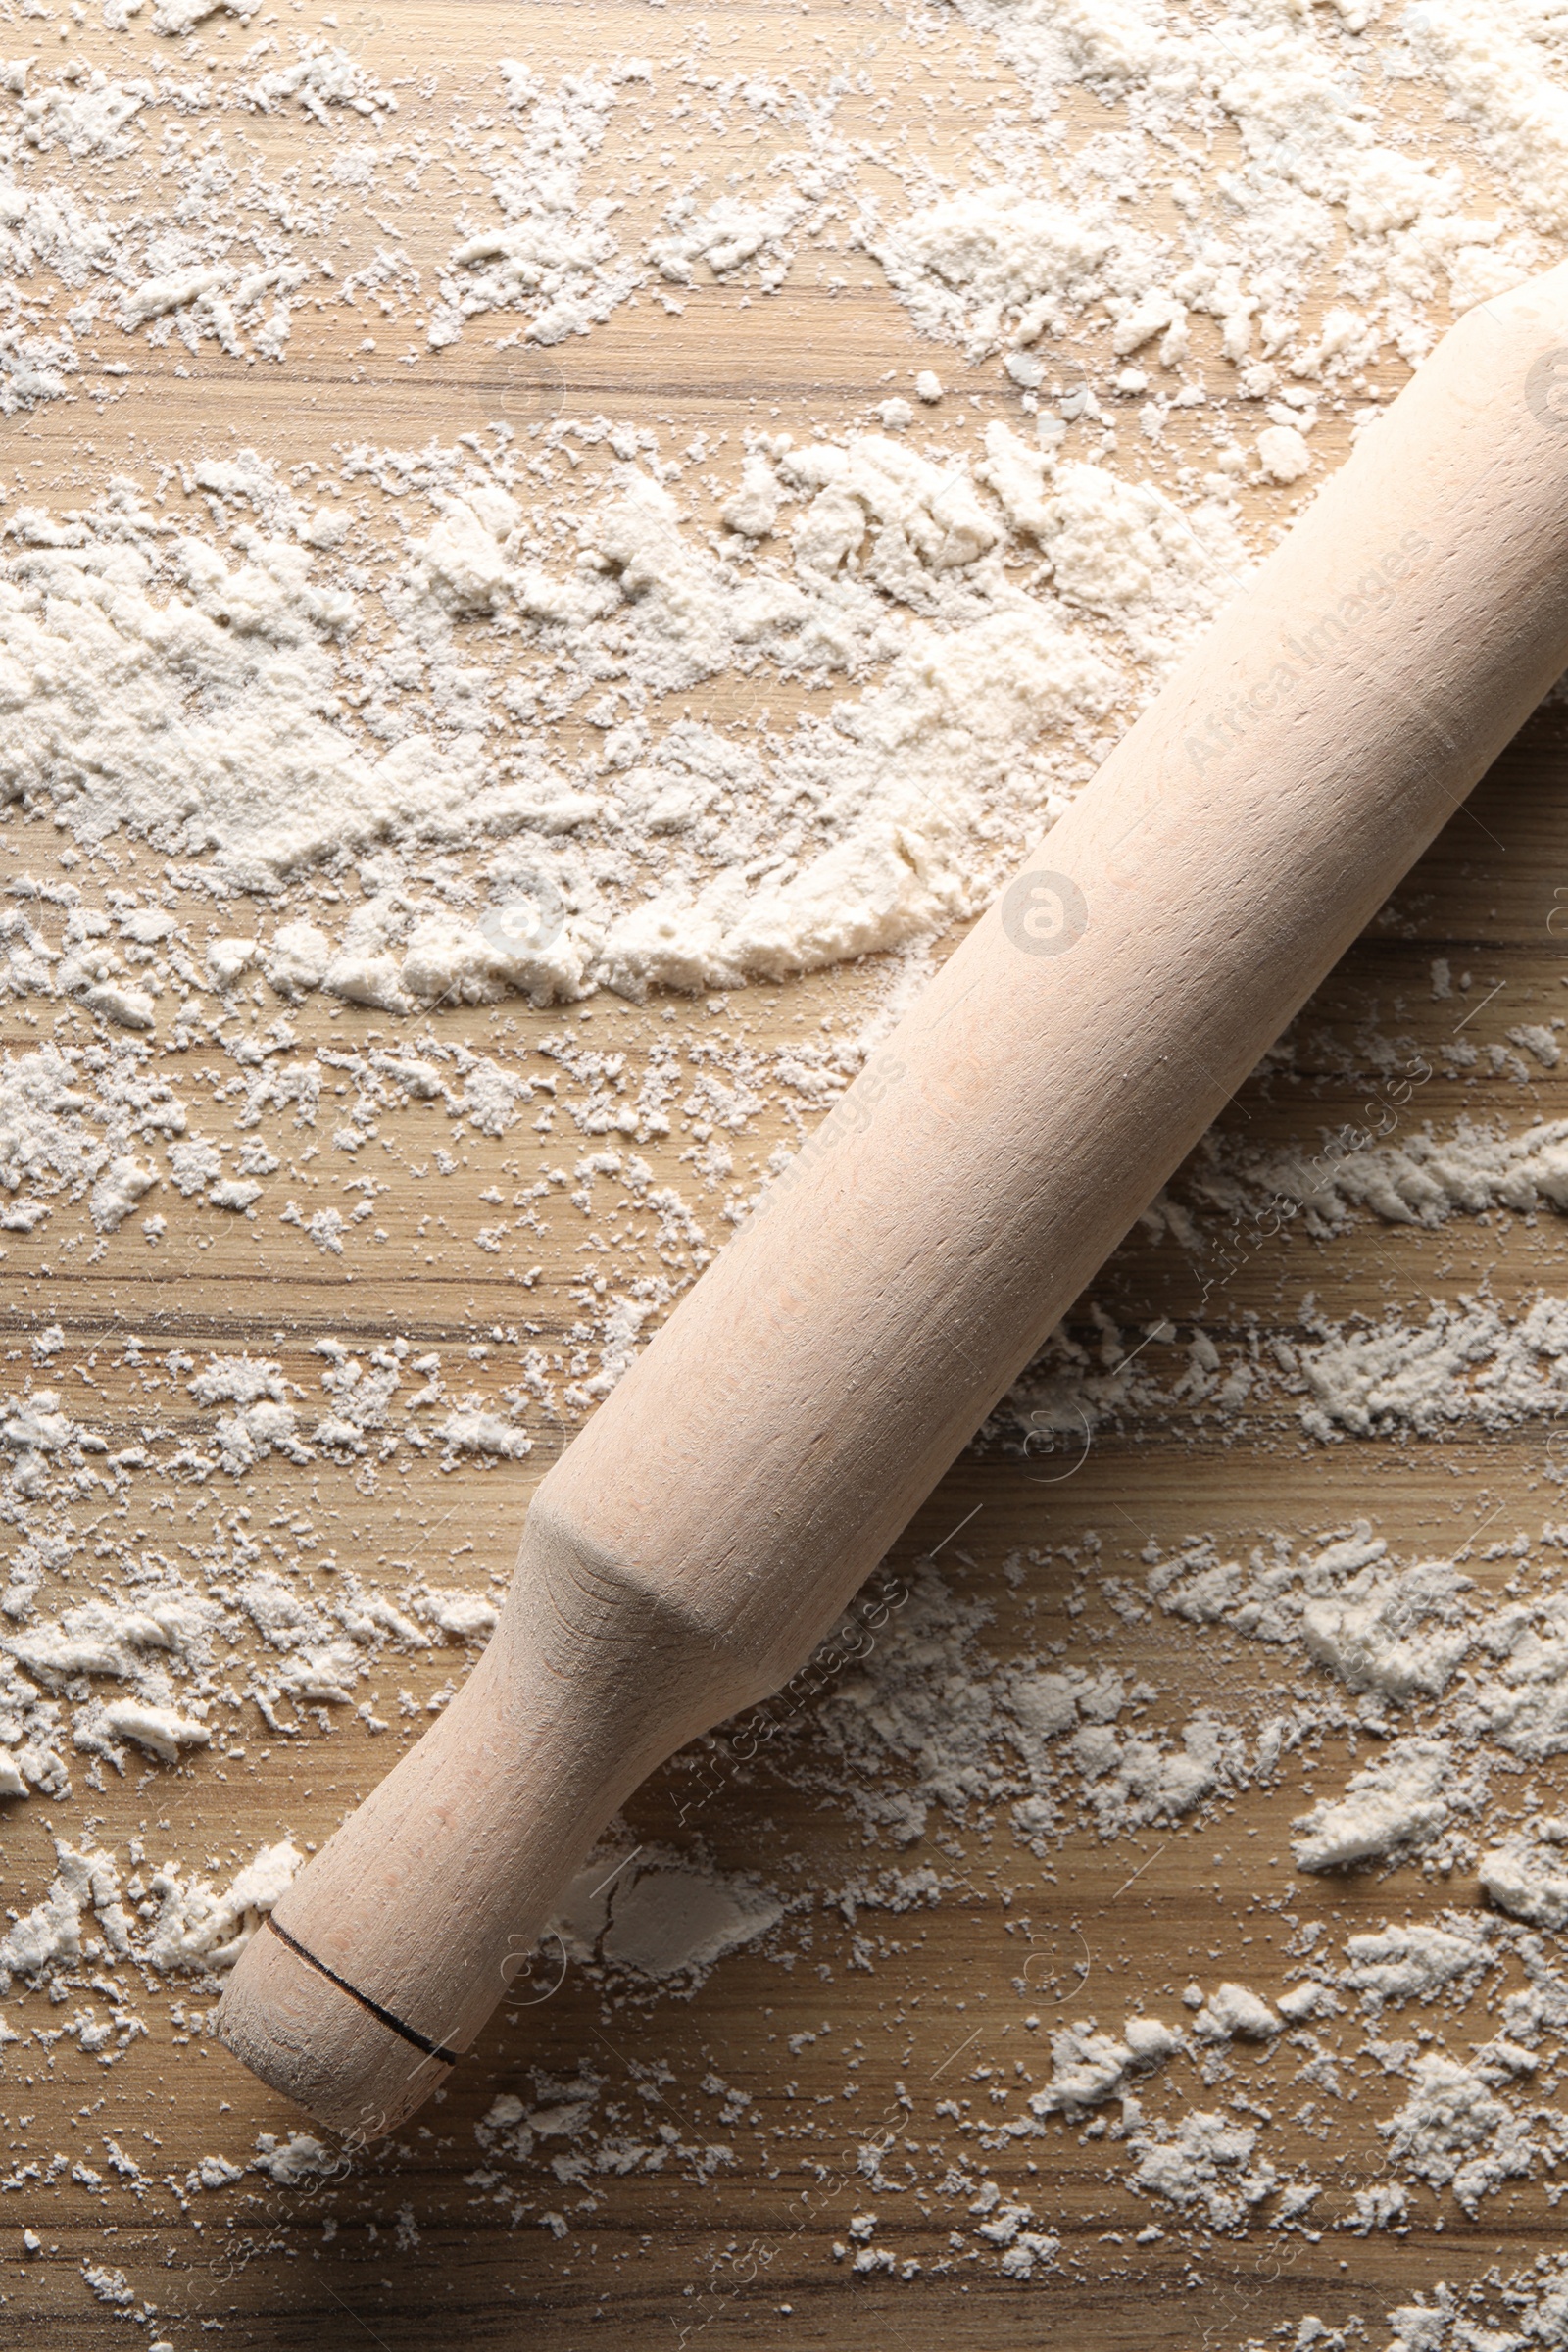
<point>720,2258</point>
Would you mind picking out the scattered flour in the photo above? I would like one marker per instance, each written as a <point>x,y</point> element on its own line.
<point>1424,1179</point>
<point>1088,2067</point>
<point>432,728</point>
<point>1528,1879</point>
<point>1400,1803</point>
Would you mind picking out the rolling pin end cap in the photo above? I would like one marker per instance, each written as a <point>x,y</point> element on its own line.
<point>320,2044</point>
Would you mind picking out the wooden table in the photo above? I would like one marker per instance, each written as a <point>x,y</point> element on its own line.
<point>406,2250</point>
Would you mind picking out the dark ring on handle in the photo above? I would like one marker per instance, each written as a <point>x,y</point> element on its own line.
<point>421,2042</point>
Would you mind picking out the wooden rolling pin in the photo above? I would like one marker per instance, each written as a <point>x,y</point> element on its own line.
<point>688,1551</point>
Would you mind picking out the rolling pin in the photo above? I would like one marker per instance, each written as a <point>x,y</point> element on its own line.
<point>687,1552</point>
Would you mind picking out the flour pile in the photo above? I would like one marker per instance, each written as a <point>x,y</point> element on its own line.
<point>163,690</point>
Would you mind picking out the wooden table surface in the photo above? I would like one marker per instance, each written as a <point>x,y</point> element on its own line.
<point>746,2257</point>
